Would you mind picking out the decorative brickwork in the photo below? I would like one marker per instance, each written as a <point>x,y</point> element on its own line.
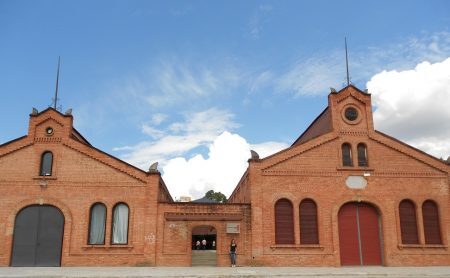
<point>160,231</point>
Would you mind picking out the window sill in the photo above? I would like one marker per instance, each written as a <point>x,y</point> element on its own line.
<point>112,246</point>
<point>354,168</point>
<point>422,246</point>
<point>296,246</point>
<point>45,178</point>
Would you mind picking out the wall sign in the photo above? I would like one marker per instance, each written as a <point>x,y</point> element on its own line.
<point>233,228</point>
<point>356,182</point>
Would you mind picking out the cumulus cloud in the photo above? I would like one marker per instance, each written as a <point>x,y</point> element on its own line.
<point>413,105</point>
<point>220,170</point>
<point>178,149</point>
<point>197,129</point>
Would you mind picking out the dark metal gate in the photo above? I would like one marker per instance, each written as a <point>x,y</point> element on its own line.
<point>359,235</point>
<point>38,233</point>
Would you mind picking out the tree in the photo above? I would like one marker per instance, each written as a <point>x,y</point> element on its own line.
<point>218,196</point>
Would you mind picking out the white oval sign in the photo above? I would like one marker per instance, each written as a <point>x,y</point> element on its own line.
<point>356,182</point>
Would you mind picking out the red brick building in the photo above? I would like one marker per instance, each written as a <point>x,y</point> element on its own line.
<point>342,194</point>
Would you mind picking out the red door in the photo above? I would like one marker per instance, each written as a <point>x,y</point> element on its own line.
<point>359,235</point>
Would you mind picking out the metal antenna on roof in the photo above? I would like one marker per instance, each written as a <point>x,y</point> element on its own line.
<point>55,99</point>
<point>346,61</point>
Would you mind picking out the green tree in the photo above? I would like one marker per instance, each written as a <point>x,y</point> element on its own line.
<point>218,196</point>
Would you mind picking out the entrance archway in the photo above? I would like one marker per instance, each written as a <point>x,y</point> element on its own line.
<point>204,244</point>
<point>38,233</point>
<point>359,234</point>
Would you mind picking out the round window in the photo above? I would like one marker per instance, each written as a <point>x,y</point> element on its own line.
<point>351,113</point>
<point>49,130</point>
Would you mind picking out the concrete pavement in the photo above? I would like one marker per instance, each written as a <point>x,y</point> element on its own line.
<point>213,272</point>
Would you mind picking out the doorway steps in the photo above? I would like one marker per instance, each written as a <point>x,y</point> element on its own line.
<point>204,258</point>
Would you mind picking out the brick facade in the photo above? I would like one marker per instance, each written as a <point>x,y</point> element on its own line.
<point>160,231</point>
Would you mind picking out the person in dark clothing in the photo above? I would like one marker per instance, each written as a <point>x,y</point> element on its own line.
<point>233,247</point>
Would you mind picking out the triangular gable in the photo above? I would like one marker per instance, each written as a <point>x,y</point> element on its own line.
<point>295,156</point>
<point>106,159</point>
<point>417,157</point>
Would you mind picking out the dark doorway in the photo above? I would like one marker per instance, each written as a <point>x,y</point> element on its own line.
<point>204,255</point>
<point>359,235</point>
<point>207,233</point>
<point>38,233</point>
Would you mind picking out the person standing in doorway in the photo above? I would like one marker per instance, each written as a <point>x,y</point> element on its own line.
<point>204,244</point>
<point>197,245</point>
<point>233,247</point>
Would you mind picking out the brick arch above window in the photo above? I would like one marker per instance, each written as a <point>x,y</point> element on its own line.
<point>362,155</point>
<point>46,164</point>
<point>431,225</point>
<point>97,224</point>
<point>309,232</point>
<point>284,222</point>
<point>408,222</point>
<point>120,221</point>
<point>346,154</point>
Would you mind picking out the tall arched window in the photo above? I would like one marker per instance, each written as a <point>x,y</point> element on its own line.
<point>120,224</point>
<point>309,233</point>
<point>347,154</point>
<point>46,164</point>
<point>284,222</point>
<point>408,223</point>
<point>362,154</point>
<point>97,223</point>
<point>431,225</point>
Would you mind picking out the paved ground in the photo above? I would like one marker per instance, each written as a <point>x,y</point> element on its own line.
<point>140,272</point>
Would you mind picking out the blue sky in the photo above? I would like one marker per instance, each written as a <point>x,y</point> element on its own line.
<point>195,84</point>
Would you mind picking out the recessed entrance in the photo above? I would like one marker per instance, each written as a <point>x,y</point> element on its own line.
<point>359,234</point>
<point>38,233</point>
<point>204,244</point>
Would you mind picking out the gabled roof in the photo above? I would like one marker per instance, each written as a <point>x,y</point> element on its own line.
<point>321,125</point>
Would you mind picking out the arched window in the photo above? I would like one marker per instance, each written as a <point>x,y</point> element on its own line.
<point>431,223</point>
<point>284,222</point>
<point>362,154</point>
<point>347,154</point>
<point>408,223</point>
<point>120,224</point>
<point>46,164</point>
<point>309,233</point>
<point>97,223</point>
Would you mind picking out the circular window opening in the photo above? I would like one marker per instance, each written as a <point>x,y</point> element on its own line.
<point>351,113</point>
<point>49,131</point>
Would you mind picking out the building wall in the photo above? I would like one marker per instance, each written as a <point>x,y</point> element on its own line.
<point>81,176</point>
<point>314,170</point>
<point>177,220</point>
<point>160,231</point>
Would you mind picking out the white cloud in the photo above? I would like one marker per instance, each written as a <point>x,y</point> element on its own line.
<point>314,75</point>
<point>268,148</point>
<point>414,105</point>
<point>172,82</point>
<point>258,19</point>
<point>198,129</point>
<point>158,118</point>
<point>220,171</point>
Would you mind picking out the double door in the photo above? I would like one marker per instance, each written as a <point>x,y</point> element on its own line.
<point>38,233</point>
<point>359,235</point>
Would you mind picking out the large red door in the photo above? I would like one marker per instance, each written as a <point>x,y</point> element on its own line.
<point>359,235</point>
